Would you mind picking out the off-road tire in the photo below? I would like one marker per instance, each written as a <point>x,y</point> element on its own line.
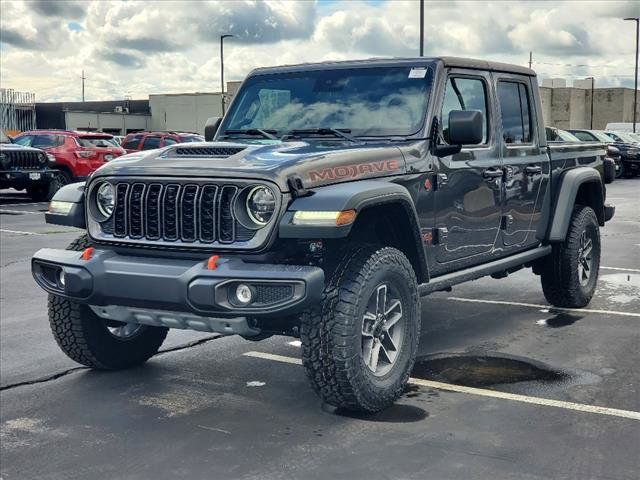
<point>85,338</point>
<point>331,333</point>
<point>38,192</point>
<point>559,275</point>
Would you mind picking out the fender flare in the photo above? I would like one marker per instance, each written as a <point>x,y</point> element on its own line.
<point>358,196</point>
<point>72,193</point>
<point>570,183</point>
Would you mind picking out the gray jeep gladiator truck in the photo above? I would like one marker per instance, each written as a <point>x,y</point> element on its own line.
<point>326,202</point>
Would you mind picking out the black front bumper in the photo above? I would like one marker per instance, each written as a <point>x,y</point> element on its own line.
<point>26,176</point>
<point>178,285</point>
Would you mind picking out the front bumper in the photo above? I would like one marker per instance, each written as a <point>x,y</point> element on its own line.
<point>26,176</point>
<point>177,285</point>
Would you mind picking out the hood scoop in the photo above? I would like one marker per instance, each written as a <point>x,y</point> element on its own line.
<point>212,151</point>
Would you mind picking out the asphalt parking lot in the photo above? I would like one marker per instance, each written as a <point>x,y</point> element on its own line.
<point>505,387</point>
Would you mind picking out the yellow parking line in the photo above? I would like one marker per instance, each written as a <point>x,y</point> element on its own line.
<point>546,402</point>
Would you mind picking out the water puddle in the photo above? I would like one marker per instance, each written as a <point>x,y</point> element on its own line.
<point>396,413</point>
<point>485,371</point>
<point>562,319</point>
<point>620,288</point>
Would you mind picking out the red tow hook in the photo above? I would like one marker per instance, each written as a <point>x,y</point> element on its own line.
<point>212,262</point>
<point>86,255</point>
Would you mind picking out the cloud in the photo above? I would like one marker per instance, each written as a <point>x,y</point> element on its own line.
<point>56,8</point>
<point>141,47</point>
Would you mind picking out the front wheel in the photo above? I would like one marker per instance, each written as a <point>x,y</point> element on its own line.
<point>359,345</point>
<point>88,339</point>
<point>570,274</point>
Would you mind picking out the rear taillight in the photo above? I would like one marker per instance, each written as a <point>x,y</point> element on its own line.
<point>85,153</point>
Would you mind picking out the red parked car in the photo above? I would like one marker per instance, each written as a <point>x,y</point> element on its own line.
<point>150,140</point>
<point>77,154</point>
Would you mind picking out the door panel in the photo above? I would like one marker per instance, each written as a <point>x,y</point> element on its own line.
<point>469,204</point>
<point>525,163</point>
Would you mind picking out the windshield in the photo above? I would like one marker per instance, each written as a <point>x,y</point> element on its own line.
<point>622,137</point>
<point>103,142</point>
<point>379,101</point>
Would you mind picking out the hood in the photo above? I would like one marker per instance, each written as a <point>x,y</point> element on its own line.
<point>316,163</point>
<point>15,146</point>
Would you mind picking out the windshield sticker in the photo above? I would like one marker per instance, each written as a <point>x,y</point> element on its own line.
<point>418,72</point>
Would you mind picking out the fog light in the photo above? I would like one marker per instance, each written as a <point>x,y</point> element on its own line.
<point>61,278</point>
<point>244,294</point>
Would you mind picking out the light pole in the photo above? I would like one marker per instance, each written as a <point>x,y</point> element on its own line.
<point>422,28</point>
<point>592,92</point>
<point>635,89</point>
<point>222,37</point>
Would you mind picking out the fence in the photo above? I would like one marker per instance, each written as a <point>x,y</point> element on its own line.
<point>17,111</point>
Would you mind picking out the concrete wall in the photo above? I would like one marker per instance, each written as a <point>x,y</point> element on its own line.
<point>183,112</point>
<point>570,107</point>
<point>115,123</point>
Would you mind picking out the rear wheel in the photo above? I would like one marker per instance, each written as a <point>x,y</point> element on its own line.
<point>359,345</point>
<point>97,343</point>
<point>570,274</point>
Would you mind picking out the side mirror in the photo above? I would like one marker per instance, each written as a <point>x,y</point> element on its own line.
<point>211,127</point>
<point>465,127</point>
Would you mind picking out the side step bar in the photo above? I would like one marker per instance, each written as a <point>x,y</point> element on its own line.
<point>448,280</point>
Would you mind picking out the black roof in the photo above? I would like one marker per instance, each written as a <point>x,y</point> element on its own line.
<point>447,61</point>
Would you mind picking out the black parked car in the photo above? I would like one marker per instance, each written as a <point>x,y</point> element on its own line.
<point>27,168</point>
<point>628,148</point>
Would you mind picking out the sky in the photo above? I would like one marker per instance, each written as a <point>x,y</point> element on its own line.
<point>133,49</point>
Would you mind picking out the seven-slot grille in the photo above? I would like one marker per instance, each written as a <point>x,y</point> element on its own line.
<point>23,160</point>
<point>173,212</point>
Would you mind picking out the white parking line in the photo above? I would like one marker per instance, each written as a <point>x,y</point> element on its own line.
<point>536,305</point>
<point>546,402</point>
<point>637,270</point>
<point>28,212</point>
<point>24,204</point>
<point>19,232</point>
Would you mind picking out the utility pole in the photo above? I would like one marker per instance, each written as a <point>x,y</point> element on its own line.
<point>83,79</point>
<point>530,59</point>
<point>222,37</point>
<point>422,28</point>
<point>635,89</point>
<point>593,80</point>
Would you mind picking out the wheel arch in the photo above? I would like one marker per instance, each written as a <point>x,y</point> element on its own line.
<point>382,208</point>
<point>578,186</point>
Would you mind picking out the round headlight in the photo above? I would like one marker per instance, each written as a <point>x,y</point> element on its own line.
<point>42,157</point>
<point>261,203</point>
<point>105,199</point>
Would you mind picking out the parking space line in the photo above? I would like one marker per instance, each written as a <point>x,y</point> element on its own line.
<point>546,402</point>
<point>23,212</point>
<point>19,232</point>
<point>24,204</point>
<point>550,307</point>
<point>637,270</point>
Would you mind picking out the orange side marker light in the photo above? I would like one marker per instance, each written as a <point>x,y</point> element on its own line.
<point>345,217</point>
<point>86,255</point>
<point>212,262</point>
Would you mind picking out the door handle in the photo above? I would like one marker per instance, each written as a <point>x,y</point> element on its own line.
<point>492,173</point>
<point>533,170</point>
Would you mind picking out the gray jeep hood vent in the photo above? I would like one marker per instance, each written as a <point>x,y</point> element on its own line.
<point>206,151</point>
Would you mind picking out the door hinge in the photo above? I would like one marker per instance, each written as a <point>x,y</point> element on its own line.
<point>439,235</point>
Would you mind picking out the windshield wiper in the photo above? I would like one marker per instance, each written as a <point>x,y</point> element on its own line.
<point>252,131</point>
<point>336,132</point>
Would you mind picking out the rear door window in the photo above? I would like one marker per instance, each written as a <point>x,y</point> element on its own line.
<point>47,141</point>
<point>132,143</point>
<point>169,141</point>
<point>515,110</point>
<point>464,94</point>
<point>150,143</point>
